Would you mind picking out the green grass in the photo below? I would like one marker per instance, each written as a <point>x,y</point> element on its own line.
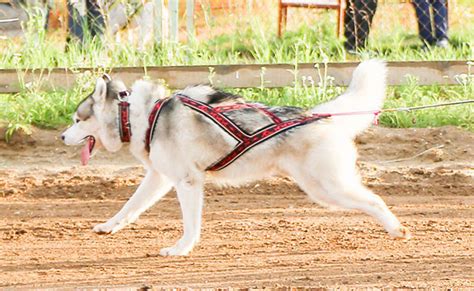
<point>255,42</point>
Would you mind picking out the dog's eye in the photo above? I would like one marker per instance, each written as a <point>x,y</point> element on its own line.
<point>77,120</point>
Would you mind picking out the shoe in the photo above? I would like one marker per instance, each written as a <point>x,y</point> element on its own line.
<point>349,47</point>
<point>352,52</point>
<point>442,43</point>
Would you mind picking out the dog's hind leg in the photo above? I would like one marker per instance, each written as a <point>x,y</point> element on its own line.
<point>329,176</point>
<point>354,196</point>
<point>153,187</point>
<point>190,195</point>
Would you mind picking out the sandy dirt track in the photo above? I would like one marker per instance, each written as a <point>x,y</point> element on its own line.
<point>264,234</point>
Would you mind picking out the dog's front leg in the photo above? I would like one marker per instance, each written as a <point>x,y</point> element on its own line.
<point>153,187</point>
<point>190,195</point>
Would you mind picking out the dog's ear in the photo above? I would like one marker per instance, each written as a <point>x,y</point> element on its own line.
<point>106,77</point>
<point>100,90</point>
<point>84,109</point>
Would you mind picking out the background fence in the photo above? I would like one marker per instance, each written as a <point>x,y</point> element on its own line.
<point>186,19</point>
<point>248,76</point>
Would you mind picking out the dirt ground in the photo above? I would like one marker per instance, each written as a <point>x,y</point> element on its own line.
<point>265,234</point>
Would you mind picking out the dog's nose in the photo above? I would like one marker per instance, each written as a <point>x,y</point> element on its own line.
<point>62,137</point>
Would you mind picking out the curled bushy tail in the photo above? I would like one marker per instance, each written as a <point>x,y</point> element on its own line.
<point>365,92</point>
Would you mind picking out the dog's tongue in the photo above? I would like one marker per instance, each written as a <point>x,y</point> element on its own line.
<point>86,152</point>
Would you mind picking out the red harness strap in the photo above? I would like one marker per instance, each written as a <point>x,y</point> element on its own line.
<point>245,141</point>
<point>125,128</point>
<point>152,121</point>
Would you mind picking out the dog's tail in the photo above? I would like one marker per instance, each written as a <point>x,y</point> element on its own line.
<point>366,92</point>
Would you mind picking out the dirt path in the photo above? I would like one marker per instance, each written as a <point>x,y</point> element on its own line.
<point>264,234</point>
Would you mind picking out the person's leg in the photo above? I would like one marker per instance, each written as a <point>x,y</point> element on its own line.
<point>440,12</point>
<point>48,12</point>
<point>364,15</point>
<point>95,18</point>
<point>422,9</point>
<point>349,26</point>
<point>75,21</point>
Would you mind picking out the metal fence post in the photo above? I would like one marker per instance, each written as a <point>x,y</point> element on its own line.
<point>190,20</point>
<point>158,21</point>
<point>173,6</point>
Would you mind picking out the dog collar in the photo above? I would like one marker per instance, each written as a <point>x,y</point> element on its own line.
<point>125,129</point>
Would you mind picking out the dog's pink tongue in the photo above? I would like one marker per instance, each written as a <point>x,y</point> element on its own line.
<point>85,154</point>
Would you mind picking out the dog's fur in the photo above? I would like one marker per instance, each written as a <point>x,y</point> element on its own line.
<point>320,156</point>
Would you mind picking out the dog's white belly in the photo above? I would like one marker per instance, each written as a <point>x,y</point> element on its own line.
<point>242,172</point>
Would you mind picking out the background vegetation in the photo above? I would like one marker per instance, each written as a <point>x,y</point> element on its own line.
<point>233,38</point>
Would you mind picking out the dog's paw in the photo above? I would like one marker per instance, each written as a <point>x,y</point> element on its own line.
<point>104,228</point>
<point>175,250</point>
<point>401,233</point>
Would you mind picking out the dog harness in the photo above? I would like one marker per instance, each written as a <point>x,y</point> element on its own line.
<point>217,115</point>
<point>125,128</point>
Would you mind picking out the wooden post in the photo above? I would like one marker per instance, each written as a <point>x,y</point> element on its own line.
<point>190,20</point>
<point>173,6</point>
<point>279,19</point>
<point>158,31</point>
<point>340,18</point>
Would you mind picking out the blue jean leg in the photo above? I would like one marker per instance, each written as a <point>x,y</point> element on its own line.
<point>95,18</point>
<point>75,22</point>
<point>440,19</point>
<point>422,9</point>
<point>92,24</point>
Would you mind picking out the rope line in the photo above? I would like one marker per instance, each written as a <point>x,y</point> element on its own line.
<point>399,109</point>
<point>415,156</point>
<point>8,20</point>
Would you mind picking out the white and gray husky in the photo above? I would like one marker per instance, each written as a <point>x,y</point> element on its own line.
<point>179,148</point>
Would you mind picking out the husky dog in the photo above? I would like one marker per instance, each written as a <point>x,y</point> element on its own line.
<point>179,148</point>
